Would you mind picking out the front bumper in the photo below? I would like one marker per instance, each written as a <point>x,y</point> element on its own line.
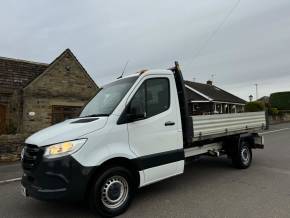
<point>57,179</point>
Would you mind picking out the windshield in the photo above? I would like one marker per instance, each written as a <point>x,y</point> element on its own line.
<point>108,98</point>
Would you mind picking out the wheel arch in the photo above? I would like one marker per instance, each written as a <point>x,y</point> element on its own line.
<point>248,137</point>
<point>233,142</point>
<point>116,161</point>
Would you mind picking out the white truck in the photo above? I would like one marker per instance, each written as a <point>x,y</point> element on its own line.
<point>134,132</point>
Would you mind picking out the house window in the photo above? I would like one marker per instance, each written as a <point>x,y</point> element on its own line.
<point>61,113</point>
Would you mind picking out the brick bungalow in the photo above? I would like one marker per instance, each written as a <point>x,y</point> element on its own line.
<point>210,99</point>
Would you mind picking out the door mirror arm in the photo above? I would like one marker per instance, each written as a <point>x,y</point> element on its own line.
<point>131,117</point>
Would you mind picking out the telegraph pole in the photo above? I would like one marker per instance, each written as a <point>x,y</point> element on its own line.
<point>257,96</point>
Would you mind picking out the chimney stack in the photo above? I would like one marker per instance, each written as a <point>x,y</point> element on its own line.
<point>209,82</point>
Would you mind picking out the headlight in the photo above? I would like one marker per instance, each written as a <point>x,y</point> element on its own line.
<point>64,148</point>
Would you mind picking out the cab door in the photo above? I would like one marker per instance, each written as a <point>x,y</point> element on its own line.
<point>154,136</point>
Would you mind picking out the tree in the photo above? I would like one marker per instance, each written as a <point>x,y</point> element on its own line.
<point>254,106</point>
<point>280,100</point>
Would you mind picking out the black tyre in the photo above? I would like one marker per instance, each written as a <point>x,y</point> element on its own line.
<point>242,156</point>
<point>112,192</point>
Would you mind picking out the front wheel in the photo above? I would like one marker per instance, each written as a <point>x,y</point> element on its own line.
<point>112,192</point>
<point>242,157</point>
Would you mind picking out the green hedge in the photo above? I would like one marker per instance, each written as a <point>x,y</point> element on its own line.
<point>254,106</point>
<point>280,100</point>
<point>273,111</point>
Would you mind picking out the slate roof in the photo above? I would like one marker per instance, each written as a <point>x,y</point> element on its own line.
<point>264,99</point>
<point>16,74</point>
<point>210,92</point>
<point>193,96</point>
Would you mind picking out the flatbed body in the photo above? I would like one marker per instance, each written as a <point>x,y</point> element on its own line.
<point>219,125</point>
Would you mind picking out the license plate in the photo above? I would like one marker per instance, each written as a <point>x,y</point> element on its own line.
<point>23,191</point>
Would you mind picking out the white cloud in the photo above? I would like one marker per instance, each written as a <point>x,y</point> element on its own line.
<point>251,47</point>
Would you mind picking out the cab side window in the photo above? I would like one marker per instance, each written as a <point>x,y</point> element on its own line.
<point>152,98</point>
<point>137,105</point>
<point>157,96</point>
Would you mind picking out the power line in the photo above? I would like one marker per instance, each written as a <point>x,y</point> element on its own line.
<point>206,42</point>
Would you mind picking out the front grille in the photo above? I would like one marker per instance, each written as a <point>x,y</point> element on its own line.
<point>31,157</point>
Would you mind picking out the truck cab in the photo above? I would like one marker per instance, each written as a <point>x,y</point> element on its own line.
<point>134,132</point>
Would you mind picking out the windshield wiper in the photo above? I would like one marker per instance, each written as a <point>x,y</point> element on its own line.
<point>96,115</point>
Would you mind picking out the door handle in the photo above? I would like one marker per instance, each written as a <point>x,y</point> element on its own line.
<point>169,123</point>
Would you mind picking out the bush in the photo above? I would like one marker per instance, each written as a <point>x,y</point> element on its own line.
<point>280,100</point>
<point>273,111</point>
<point>254,106</point>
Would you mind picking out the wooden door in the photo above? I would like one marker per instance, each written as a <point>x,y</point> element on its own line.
<point>2,119</point>
<point>61,113</point>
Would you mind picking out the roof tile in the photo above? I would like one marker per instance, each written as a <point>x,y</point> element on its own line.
<point>213,92</point>
<point>15,73</point>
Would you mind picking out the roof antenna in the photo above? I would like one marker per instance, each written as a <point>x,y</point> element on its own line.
<point>123,70</point>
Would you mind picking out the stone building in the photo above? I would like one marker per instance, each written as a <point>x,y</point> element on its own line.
<point>36,95</point>
<point>210,99</point>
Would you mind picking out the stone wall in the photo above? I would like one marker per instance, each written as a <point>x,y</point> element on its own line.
<point>279,118</point>
<point>64,83</point>
<point>43,111</point>
<point>65,77</point>
<point>15,112</point>
<point>11,146</point>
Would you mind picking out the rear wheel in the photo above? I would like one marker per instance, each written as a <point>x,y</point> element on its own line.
<point>242,156</point>
<point>112,192</point>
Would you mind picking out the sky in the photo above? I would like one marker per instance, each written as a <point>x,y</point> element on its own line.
<point>235,43</point>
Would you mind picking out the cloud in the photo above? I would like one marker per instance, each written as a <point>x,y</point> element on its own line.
<point>251,47</point>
